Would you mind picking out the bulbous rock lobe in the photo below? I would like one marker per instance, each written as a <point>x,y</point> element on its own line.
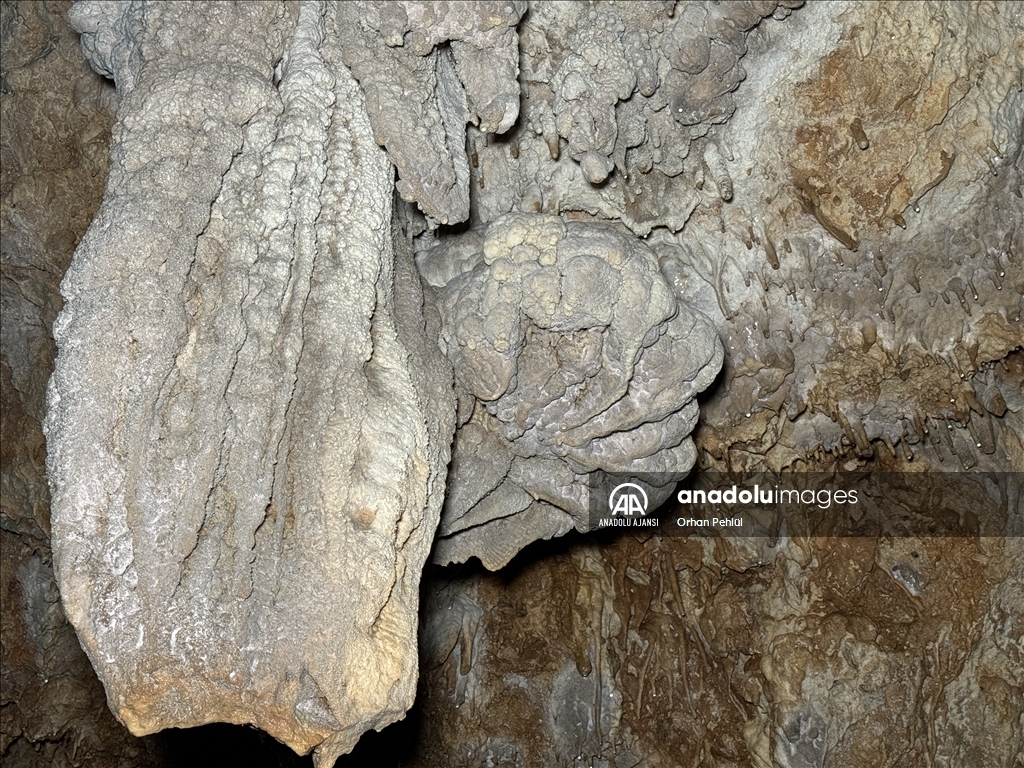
<point>572,355</point>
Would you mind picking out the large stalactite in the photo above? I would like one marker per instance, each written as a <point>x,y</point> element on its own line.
<point>248,429</point>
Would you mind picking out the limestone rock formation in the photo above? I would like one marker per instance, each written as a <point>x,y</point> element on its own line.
<point>623,86</point>
<point>248,428</point>
<point>572,357</point>
<point>811,652</point>
<point>55,114</point>
<point>835,186</point>
<point>880,283</point>
<point>428,68</point>
<point>248,421</point>
<point>851,222</point>
<point>855,231</point>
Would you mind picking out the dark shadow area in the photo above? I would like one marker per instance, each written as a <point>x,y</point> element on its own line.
<point>445,231</point>
<point>542,549</point>
<point>388,748</point>
<point>713,390</point>
<point>220,744</point>
<point>399,743</point>
<point>435,576</point>
<point>716,389</point>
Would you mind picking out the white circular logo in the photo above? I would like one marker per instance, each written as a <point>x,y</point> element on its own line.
<point>627,503</point>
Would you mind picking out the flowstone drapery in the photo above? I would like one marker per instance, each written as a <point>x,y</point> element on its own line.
<point>572,356</point>
<point>250,418</point>
<point>248,427</point>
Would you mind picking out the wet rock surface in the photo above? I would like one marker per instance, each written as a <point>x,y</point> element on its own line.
<point>839,196</point>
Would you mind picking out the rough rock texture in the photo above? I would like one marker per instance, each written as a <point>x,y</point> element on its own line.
<point>848,214</point>
<point>259,396</point>
<point>248,429</point>
<point>428,68</point>
<point>635,87</point>
<point>855,230</point>
<point>882,348</point>
<point>572,356</point>
<point>810,653</point>
<point>55,114</point>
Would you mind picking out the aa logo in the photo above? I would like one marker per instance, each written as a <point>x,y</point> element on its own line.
<point>627,499</point>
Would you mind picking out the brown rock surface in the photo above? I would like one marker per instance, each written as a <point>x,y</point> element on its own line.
<point>673,652</point>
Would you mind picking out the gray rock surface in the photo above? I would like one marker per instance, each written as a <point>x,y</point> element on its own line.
<point>55,114</point>
<point>247,425</point>
<point>427,68</point>
<point>572,356</point>
<point>847,214</point>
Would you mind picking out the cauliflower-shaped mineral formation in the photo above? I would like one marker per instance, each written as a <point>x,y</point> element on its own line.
<point>572,356</point>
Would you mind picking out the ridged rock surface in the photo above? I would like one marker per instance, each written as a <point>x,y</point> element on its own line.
<point>573,357</point>
<point>56,115</point>
<point>248,428</point>
<point>427,68</point>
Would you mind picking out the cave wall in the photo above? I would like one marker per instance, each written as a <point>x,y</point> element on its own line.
<point>850,219</point>
<point>836,189</point>
<point>644,651</point>
<point>862,265</point>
